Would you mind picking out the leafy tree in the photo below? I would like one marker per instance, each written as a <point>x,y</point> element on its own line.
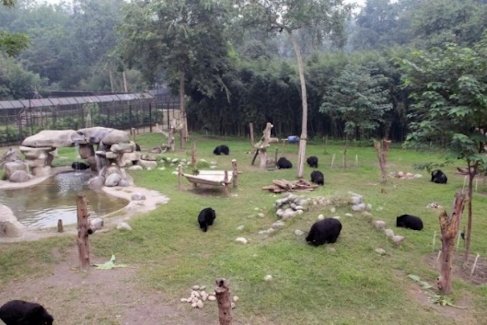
<point>15,82</point>
<point>181,39</point>
<point>359,98</point>
<point>449,92</point>
<point>289,16</point>
<point>12,43</point>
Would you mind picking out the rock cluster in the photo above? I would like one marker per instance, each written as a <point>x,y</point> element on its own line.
<point>403,175</point>
<point>381,225</point>
<point>291,205</point>
<point>199,297</point>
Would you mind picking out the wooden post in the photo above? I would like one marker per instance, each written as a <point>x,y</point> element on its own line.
<point>193,156</point>
<point>449,230</point>
<point>132,130</point>
<point>180,174</point>
<point>225,181</point>
<point>83,232</point>
<point>251,131</point>
<point>382,148</point>
<point>60,227</point>
<point>235,172</point>
<point>222,293</point>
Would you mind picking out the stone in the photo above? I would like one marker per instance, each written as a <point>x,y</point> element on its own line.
<point>320,217</point>
<point>52,138</point>
<point>136,167</point>
<point>12,166</point>
<point>379,224</point>
<point>123,147</point>
<point>9,225</point>
<point>195,287</point>
<point>349,214</point>
<point>113,180</point>
<point>137,196</point>
<point>96,224</point>
<point>148,163</point>
<point>268,277</point>
<point>199,304</point>
<point>333,209</point>
<point>86,151</point>
<point>211,298</point>
<point>397,239</point>
<point>298,232</point>
<point>380,251</point>
<point>19,176</point>
<point>235,298</point>
<point>233,305</point>
<point>96,182</point>
<point>278,224</point>
<point>241,227</point>
<point>260,215</point>
<point>241,240</point>
<point>124,226</point>
<point>129,159</point>
<point>389,232</point>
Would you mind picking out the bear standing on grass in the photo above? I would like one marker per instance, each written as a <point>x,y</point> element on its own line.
<point>437,176</point>
<point>283,163</point>
<point>312,161</point>
<point>19,312</point>
<point>317,177</point>
<point>324,231</point>
<point>206,218</point>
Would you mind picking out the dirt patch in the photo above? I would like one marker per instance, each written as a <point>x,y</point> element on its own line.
<point>103,297</point>
<point>464,271</point>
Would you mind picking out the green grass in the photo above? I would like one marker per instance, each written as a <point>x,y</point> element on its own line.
<point>344,283</point>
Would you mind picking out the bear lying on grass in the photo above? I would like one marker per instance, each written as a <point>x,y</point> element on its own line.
<point>206,218</point>
<point>409,221</point>
<point>221,149</point>
<point>324,231</point>
<point>19,312</point>
<point>283,163</point>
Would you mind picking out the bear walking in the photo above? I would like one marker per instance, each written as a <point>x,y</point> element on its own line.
<point>19,312</point>
<point>206,218</point>
<point>409,221</point>
<point>324,231</point>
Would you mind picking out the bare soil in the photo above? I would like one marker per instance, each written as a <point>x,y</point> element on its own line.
<point>99,296</point>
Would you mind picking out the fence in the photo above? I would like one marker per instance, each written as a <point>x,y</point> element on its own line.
<point>22,118</point>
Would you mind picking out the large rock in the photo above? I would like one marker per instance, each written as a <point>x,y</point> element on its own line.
<point>19,176</point>
<point>113,180</point>
<point>116,136</point>
<point>128,159</point>
<point>52,138</point>
<point>95,134</point>
<point>123,147</point>
<point>13,166</point>
<point>9,225</point>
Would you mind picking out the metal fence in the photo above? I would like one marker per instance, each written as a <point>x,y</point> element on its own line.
<point>22,118</point>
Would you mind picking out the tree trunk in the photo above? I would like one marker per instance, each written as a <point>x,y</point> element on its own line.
<point>222,292</point>
<point>449,231</point>
<point>382,148</point>
<point>124,77</point>
<point>182,110</point>
<point>304,101</point>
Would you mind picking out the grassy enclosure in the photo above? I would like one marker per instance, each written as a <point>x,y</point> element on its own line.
<point>344,283</point>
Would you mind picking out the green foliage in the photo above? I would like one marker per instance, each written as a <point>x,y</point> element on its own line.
<point>358,98</point>
<point>15,81</point>
<point>13,44</point>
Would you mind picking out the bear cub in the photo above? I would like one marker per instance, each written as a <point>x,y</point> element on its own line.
<point>312,161</point>
<point>317,177</point>
<point>221,149</point>
<point>409,221</point>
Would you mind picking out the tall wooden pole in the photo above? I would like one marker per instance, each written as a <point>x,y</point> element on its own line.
<point>83,232</point>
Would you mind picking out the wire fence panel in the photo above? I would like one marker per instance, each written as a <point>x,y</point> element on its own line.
<point>22,118</point>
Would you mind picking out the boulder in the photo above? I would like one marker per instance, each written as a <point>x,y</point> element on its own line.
<point>113,180</point>
<point>52,138</point>
<point>13,166</point>
<point>86,151</point>
<point>95,134</point>
<point>123,147</point>
<point>19,176</point>
<point>128,159</point>
<point>116,136</point>
<point>9,225</point>
<point>148,164</point>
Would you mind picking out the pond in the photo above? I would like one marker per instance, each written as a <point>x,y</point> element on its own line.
<point>41,206</point>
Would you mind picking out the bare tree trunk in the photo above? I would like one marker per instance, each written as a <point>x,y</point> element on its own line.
<point>110,76</point>
<point>124,77</point>
<point>449,231</point>
<point>182,109</point>
<point>83,232</point>
<point>304,100</point>
<point>382,148</point>
<point>222,292</point>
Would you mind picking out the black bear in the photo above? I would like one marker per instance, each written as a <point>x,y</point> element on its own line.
<point>437,176</point>
<point>283,163</point>
<point>19,312</point>
<point>221,149</point>
<point>317,177</point>
<point>312,161</point>
<point>409,221</point>
<point>137,147</point>
<point>206,218</point>
<point>77,165</point>
<point>324,231</point>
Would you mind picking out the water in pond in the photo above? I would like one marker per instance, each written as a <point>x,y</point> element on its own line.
<point>41,206</point>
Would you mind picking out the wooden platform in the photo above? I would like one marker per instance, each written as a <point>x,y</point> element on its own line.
<point>210,177</point>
